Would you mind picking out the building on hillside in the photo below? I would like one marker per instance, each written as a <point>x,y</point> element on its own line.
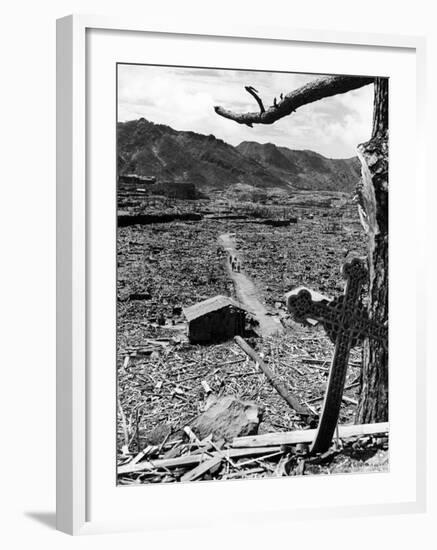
<point>136,179</point>
<point>215,320</point>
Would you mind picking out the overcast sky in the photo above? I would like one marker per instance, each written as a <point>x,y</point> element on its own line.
<point>183,98</point>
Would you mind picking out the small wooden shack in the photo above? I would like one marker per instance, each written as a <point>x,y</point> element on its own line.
<point>215,320</point>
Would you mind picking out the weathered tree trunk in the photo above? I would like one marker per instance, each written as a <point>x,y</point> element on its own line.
<point>373,194</point>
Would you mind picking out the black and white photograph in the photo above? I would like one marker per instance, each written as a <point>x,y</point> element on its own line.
<point>218,325</point>
<point>252,274</point>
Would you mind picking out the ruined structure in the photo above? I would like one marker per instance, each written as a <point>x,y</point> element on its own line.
<point>215,320</point>
<point>136,179</point>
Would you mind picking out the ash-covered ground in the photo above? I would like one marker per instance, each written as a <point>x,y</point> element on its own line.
<point>164,381</point>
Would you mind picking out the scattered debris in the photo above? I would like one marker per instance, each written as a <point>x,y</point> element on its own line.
<point>288,456</point>
<point>279,387</point>
<point>165,384</point>
<point>159,434</point>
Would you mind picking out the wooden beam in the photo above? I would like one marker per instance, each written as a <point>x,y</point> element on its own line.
<point>307,436</point>
<point>279,387</point>
<point>202,468</point>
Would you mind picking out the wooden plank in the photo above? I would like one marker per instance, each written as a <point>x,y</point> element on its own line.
<point>187,460</point>
<point>314,362</point>
<point>279,387</point>
<point>202,468</point>
<point>307,436</point>
<point>192,459</point>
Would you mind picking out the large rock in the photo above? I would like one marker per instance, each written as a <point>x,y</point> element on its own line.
<point>227,417</point>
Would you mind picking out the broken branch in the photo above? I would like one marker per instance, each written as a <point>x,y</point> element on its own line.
<point>254,94</point>
<point>313,91</point>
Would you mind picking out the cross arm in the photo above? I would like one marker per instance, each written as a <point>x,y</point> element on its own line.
<point>307,306</point>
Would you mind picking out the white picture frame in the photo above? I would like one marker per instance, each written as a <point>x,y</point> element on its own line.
<point>74,397</point>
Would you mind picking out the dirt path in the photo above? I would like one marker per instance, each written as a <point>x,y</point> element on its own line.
<point>247,292</point>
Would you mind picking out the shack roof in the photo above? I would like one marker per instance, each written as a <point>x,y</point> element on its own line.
<point>207,306</point>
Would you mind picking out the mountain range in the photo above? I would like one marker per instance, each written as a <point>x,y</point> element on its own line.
<point>149,149</point>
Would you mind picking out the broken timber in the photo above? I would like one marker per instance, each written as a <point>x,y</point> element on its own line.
<point>202,468</point>
<point>193,459</point>
<point>280,388</point>
<point>307,436</point>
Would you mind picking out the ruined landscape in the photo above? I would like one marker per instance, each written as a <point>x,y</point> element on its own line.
<point>199,218</point>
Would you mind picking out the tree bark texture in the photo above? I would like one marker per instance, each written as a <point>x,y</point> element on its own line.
<point>373,195</point>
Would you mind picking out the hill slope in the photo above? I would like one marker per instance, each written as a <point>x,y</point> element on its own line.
<point>152,149</point>
<point>304,169</point>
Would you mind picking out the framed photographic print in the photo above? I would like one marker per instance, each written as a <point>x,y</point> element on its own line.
<point>236,277</point>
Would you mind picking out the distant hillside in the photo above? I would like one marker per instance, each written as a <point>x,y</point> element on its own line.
<point>153,149</point>
<point>304,169</point>
<point>149,149</point>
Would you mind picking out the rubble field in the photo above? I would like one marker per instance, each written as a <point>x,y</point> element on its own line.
<point>165,384</point>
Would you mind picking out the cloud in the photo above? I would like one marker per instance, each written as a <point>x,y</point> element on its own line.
<point>183,98</point>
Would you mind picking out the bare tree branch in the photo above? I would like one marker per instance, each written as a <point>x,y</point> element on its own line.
<point>313,91</point>
<point>251,90</point>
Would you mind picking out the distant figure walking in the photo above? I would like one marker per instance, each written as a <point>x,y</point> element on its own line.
<point>238,266</point>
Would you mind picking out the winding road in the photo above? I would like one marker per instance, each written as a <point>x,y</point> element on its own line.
<point>247,293</point>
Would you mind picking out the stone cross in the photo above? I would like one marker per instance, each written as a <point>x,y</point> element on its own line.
<point>346,322</point>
